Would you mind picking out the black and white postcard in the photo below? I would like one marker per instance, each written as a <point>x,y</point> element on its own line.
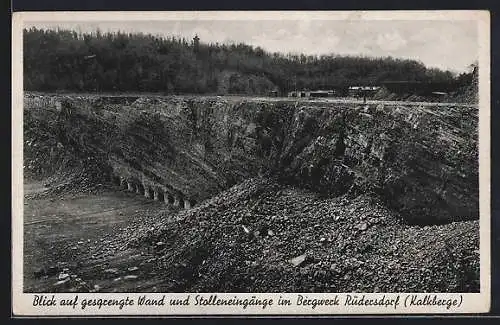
<point>250,163</point>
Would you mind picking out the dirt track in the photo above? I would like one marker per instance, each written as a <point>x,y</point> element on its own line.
<point>333,100</point>
<point>85,236</point>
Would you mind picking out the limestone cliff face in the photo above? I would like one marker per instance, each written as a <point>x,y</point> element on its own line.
<point>422,160</point>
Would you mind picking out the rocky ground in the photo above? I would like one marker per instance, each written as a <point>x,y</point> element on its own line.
<point>258,236</point>
<point>78,241</point>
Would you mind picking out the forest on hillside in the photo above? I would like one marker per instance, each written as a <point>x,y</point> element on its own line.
<point>64,60</point>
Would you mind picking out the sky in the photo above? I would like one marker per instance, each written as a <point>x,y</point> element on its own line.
<point>445,44</point>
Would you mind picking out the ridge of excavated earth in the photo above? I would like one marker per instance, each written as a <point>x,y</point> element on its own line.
<point>286,196</point>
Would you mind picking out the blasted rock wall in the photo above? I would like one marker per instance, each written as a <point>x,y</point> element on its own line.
<point>422,160</point>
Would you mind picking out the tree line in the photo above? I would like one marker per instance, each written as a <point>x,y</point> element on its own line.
<point>57,60</point>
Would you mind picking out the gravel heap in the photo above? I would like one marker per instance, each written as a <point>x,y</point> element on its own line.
<point>261,236</point>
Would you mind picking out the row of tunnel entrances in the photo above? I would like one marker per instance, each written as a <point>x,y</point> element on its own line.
<point>153,193</point>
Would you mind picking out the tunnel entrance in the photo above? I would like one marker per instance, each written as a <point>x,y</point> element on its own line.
<point>181,202</point>
<point>140,189</point>
<point>150,192</point>
<point>161,196</point>
<point>170,199</point>
<point>123,183</point>
<point>116,180</point>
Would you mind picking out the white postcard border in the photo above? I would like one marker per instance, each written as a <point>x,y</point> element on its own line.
<point>469,302</point>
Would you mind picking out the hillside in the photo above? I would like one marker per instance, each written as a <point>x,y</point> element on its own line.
<point>118,62</point>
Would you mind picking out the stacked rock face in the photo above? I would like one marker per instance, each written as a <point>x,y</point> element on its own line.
<point>421,160</point>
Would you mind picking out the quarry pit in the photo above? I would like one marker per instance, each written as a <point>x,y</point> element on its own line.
<point>238,194</point>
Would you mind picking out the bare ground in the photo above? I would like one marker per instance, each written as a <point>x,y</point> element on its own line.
<point>85,236</point>
<point>256,237</point>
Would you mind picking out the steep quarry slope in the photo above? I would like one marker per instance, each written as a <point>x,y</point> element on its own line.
<point>420,160</point>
